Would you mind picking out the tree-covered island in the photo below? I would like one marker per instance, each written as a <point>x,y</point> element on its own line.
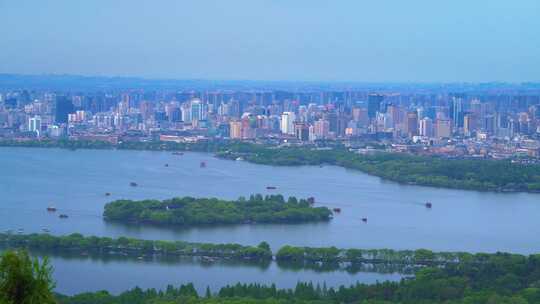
<point>189,211</point>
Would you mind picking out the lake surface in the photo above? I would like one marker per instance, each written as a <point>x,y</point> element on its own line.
<point>75,274</point>
<point>120,275</point>
<point>76,183</point>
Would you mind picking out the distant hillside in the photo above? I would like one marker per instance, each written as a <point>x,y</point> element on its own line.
<point>99,83</point>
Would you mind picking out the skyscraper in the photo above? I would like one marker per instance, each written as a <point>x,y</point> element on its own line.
<point>198,110</point>
<point>443,128</point>
<point>412,123</point>
<point>301,131</point>
<point>456,112</point>
<point>34,125</point>
<point>287,123</point>
<point>235,129</point>
<point>64,106</point>
<point>322,128</point>
<point>374,105</point>
<point>426,127</point>
<point>469,124</point>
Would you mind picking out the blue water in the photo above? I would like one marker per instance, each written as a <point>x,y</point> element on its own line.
<point>76,181</point>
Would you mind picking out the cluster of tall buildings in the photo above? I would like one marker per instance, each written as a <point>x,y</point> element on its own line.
<point>301,116</point>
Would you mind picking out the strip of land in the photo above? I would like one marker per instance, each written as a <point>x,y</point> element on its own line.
<point>468,174</point>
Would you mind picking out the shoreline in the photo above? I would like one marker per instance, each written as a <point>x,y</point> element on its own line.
<point>223,150</point>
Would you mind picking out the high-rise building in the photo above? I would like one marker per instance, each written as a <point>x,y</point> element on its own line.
<point>332,119</point>
<point>146,108</point>
<point>488,124</point>
<point>412,123</point>
<point>374,105</point>
<point>247,131</point>
<point>174,114</point>
<point>426,127</point>
<point>81,115</point>
<point>456,112</point>
<point>34,125</point>
<point>234,108</point>
<point>64,106</point>
<point>443,128</point>
<point>186,113</point>
<point>322,128</point>
<point>469,124</point>
<point>198,110</point>
<point>287,123</point>
<point>301,131</point>
<point>235,129</point>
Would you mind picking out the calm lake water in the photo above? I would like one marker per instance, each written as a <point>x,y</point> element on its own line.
<point>75,274</point>
<point>76,181</point>
<point>120,275</point>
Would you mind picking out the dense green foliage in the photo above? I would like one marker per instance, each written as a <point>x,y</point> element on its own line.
<point>189,211</point>
<point>485,175</point>
<point>468,278</point>
<point>128,246</point>
<point>501,175</point>
<point>335,255</point>
<point>24,280</point>
<point>500,278</point>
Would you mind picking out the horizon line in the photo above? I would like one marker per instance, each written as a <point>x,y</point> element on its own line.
<point>400,82</point>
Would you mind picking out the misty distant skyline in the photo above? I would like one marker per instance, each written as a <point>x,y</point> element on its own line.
<point>357,41</point>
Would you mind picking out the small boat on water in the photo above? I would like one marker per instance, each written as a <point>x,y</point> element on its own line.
<point>20,230</point>
<point>166,165</point>
<point>364,219</point>
<point>45,230</point>
<point>63,216</point>
<point>208,259</point>
<point>51,209</point>
<point>107,194</point>
<point>178,153</point>
<point>271,187</point>
<point>133,184</point>
<point>203,164</point>
<point>428,205</point>
<point>337,210</point>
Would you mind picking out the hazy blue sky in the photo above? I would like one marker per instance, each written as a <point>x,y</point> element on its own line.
<point>356,40</point>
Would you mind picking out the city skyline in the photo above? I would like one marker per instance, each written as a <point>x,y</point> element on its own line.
<point>479,124</point>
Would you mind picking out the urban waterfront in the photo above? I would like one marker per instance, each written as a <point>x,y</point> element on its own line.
<point>75,182</point>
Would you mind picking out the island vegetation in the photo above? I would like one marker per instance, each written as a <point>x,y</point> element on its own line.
<point>470,174</point>
<point>290,256</point>
<point>389,256</point>
<point>189,211</point>
<point>124,246</point>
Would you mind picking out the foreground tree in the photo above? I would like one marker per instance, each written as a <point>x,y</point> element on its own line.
<point>24,280</point>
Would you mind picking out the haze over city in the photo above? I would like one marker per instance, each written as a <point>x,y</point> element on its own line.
<point>365,41</point>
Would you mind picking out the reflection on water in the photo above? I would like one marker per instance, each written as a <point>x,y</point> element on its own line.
<point>76,273</point>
